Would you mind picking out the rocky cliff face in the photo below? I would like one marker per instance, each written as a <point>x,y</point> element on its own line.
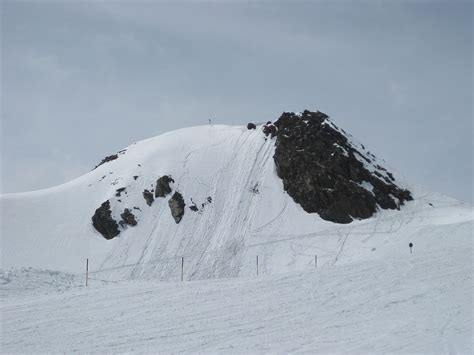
<point>326,174</point>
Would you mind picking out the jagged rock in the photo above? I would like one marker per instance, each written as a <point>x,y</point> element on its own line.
<point>163,187</point>
<point>110,158</point>
<point>128,217</point>
<point>321,170</point>
<point>177,205</point>
<point>106,160</point>
<point>194,208</point>
<point>270,129</point>
<point>135,177</point>
<point>104,223</point>
<point>251,126</point>
<point>148,196</point>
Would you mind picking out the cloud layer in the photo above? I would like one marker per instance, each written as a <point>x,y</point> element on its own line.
<point>83,79</point>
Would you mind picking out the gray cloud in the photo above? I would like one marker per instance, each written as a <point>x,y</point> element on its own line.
<point>83,79</point>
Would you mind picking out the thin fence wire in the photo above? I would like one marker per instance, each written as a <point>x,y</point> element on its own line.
<point>172,267</point>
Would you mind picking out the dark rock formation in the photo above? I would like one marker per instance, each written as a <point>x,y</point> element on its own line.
<point>110,158</point>
<point>194,207</point>
<point>270,129</point>
<point>106,160</point>
<point>135,177</point>
<point>119,191</point>
<point>251,126</point>
<point>322,171</point>
<point>177,205</point>
<point>104,223</point>
<point>128,217</point>
<point>163,187</point>
<point>148,196</point>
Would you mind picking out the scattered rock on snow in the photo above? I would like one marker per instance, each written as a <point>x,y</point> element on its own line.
<point>106,160</point>
<point>110,158</point>
<point>251,126</point>
<point>163,187</point>
<point>119,191</point>
<point>148,196</point>
<point>128,217</point>
<point>177,205</point>
<point>104,223</point>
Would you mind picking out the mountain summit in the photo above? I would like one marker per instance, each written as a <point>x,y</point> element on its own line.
<point>321,168</point>
<point>217,196</point>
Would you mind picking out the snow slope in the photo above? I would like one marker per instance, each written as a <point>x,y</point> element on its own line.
<point>403,303</point>
<point>51,229</point>
<point>367,294</point>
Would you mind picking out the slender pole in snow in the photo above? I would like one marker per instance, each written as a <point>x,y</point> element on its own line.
<point>315,261</point>
<point>257,265</point>
<point>182,268</point>
<point>87,272</point>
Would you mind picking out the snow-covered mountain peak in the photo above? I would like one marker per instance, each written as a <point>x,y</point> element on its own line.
<point>320,166</point>
<point>217,196</point>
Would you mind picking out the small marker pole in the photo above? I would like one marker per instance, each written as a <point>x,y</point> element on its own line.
<point>87,272</point>
<point>315,261</point>
<point>182,268</point>
<point>411,246</point>
<point>257,265</point>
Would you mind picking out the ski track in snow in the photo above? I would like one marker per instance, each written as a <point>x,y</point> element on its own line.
<point>408,303</point>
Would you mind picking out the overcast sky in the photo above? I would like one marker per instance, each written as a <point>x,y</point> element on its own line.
<point>81,80</point>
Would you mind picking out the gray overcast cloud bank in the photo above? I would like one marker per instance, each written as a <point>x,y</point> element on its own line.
<point>81,80</point>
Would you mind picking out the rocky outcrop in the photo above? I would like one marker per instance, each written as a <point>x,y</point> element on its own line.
<point>128,217</point>
<point>251,126</point>
<point>148,196</point>
<point>106,160</point>
<point>323,172</point>
<point>104,223</point>
<point>163,187</point>
<point>177,205</point>
<point>110,158</point>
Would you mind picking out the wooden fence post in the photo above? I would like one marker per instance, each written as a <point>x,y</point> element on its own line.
<point>257,265</point>
<point>182,268</point>
<point>87,272</point>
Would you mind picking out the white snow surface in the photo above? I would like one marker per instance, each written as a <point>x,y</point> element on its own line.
<point>368,294</point>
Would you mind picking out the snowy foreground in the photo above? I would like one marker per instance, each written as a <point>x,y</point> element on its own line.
<point>420,302</point>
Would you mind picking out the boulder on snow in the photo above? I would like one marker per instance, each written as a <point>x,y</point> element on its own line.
<point>177,205</point>
<point>104,223</point>
<point>128,217</point>
<point>251,126</point>
<point>163,187</point>
<point>148,196</point>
